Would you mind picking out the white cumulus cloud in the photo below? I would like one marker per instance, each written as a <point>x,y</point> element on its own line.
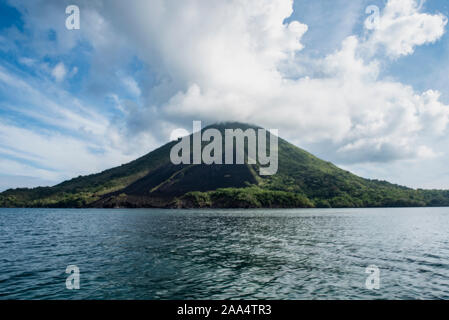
<point>401,27</point>
<point>226,61</point>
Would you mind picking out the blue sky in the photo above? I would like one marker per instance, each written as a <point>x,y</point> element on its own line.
<point>74,102</point>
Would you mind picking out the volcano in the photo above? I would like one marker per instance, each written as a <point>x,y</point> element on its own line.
<point>153,181</point>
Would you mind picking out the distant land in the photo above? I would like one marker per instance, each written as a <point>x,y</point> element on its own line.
<point>152,181</point>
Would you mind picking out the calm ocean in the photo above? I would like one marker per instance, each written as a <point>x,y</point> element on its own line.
<point>224,254</point>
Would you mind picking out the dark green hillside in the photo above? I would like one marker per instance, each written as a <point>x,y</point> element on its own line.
<point>302,180</point>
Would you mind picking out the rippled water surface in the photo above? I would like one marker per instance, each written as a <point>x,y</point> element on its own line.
<point>224,254</point>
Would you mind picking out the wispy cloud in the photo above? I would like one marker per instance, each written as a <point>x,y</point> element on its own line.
<point>59,72</point>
